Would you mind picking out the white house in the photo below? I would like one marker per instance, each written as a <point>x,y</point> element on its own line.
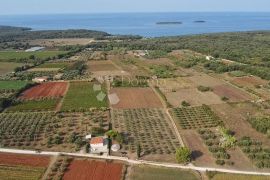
<point>40,79</point>
<point>99,145</point>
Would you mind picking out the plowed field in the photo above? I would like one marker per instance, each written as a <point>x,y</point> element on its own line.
<point>45,90</point>
<point>24,160</point>
<point>136,98</point>
<point>93,170</point>
<point>232,93</point>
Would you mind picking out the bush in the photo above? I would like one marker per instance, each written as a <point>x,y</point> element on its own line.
<point>185,104</point>
<point>183,155</point>
<point>204,88</point>
<point>220,162</point>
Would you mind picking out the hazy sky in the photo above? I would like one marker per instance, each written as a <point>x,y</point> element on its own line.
<point>94,6</point>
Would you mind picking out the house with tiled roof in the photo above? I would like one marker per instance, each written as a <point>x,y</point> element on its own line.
<point>99,145</point>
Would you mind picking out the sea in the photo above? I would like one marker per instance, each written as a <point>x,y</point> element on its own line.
<point>145,24</point>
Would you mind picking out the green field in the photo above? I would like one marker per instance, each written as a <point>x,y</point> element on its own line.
<point>154,173</point>
<point>13,55</point>
<point>20,172</point>
<point>81,96</point>
<point>12,85</point>
<point>43,105</point>
<point>224,176</point>
<point>60,65</point>
<point>6,67</point>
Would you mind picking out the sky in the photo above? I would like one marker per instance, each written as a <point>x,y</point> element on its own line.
<point>118,6</point>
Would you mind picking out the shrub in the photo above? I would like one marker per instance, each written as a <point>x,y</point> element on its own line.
<point>183,155</point>
<point>204,88</point>
<point>220,162</point>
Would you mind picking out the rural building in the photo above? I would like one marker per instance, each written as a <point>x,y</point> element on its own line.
<point>34,49</point>
<point>40,79</point>
<point>140,53</point>
<point>99,145</point>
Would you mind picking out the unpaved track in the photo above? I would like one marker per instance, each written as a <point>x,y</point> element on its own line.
<point>138,162</point>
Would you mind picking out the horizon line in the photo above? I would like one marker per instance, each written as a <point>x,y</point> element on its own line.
<point>135,12</point>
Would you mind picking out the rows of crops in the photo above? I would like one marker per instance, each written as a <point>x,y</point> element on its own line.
<point>20,172</point>
<point>196,117</point>
<point>47,130</point>
<point>149,128</point>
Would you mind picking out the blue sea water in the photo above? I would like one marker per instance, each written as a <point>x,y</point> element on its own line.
<point>144,24</point>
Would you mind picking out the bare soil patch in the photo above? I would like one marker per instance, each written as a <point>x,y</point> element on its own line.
<point>24,160</point>
<point>231,92</point>
<point>93,170</point>
<point>45,90</point>
<point>101,65</point>
<point>61,42</point>
<point>193,97</point>
<point>249,81</point>
<point>202,79</point>
<point>200,153</point>
<point>136,98</point>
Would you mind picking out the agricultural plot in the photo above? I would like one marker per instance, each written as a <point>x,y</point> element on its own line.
<point>253,85</point>
<point>105,65</point>
<point>232,93</point>
<point>34,105</point>
<point>156,173</point>
<point>45,130</point>
<point>24,160</point>
<point>20,172</point>
<point>9,88</point>
<point>256,152</point>
<point>136,98</point>
<point>93,170</point>
<point>226,176</point>
<point>25,167</point>
<point>45,90</point>
<point>12,85</point>
<point>174,84</point>
<point>193,97</point>
<point>84,95</point>
<point>250,81</point>
<point>150,128</point>
<point>195,117</point>
<point>14,55</point>
<point>7,67</point>
<point>202,79</point>
<point>51,66</point>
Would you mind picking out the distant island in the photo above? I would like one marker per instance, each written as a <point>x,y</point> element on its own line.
<point>169,22</point>
<point>200,21</point>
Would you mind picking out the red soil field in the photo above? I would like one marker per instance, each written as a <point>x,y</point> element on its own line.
<point>249,81</point>
<point>24,160</point>
<point>230,92</point>
<point>45,90</point>
<point>136,98</point>
<point>93,170</point>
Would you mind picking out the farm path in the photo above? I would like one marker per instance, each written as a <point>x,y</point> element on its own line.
<point>59,105</point>
<point>53,160</point>
<point>138,162</point>
<point>170,117</point>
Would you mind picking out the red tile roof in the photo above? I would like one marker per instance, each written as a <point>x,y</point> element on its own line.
<point>96,140</point>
